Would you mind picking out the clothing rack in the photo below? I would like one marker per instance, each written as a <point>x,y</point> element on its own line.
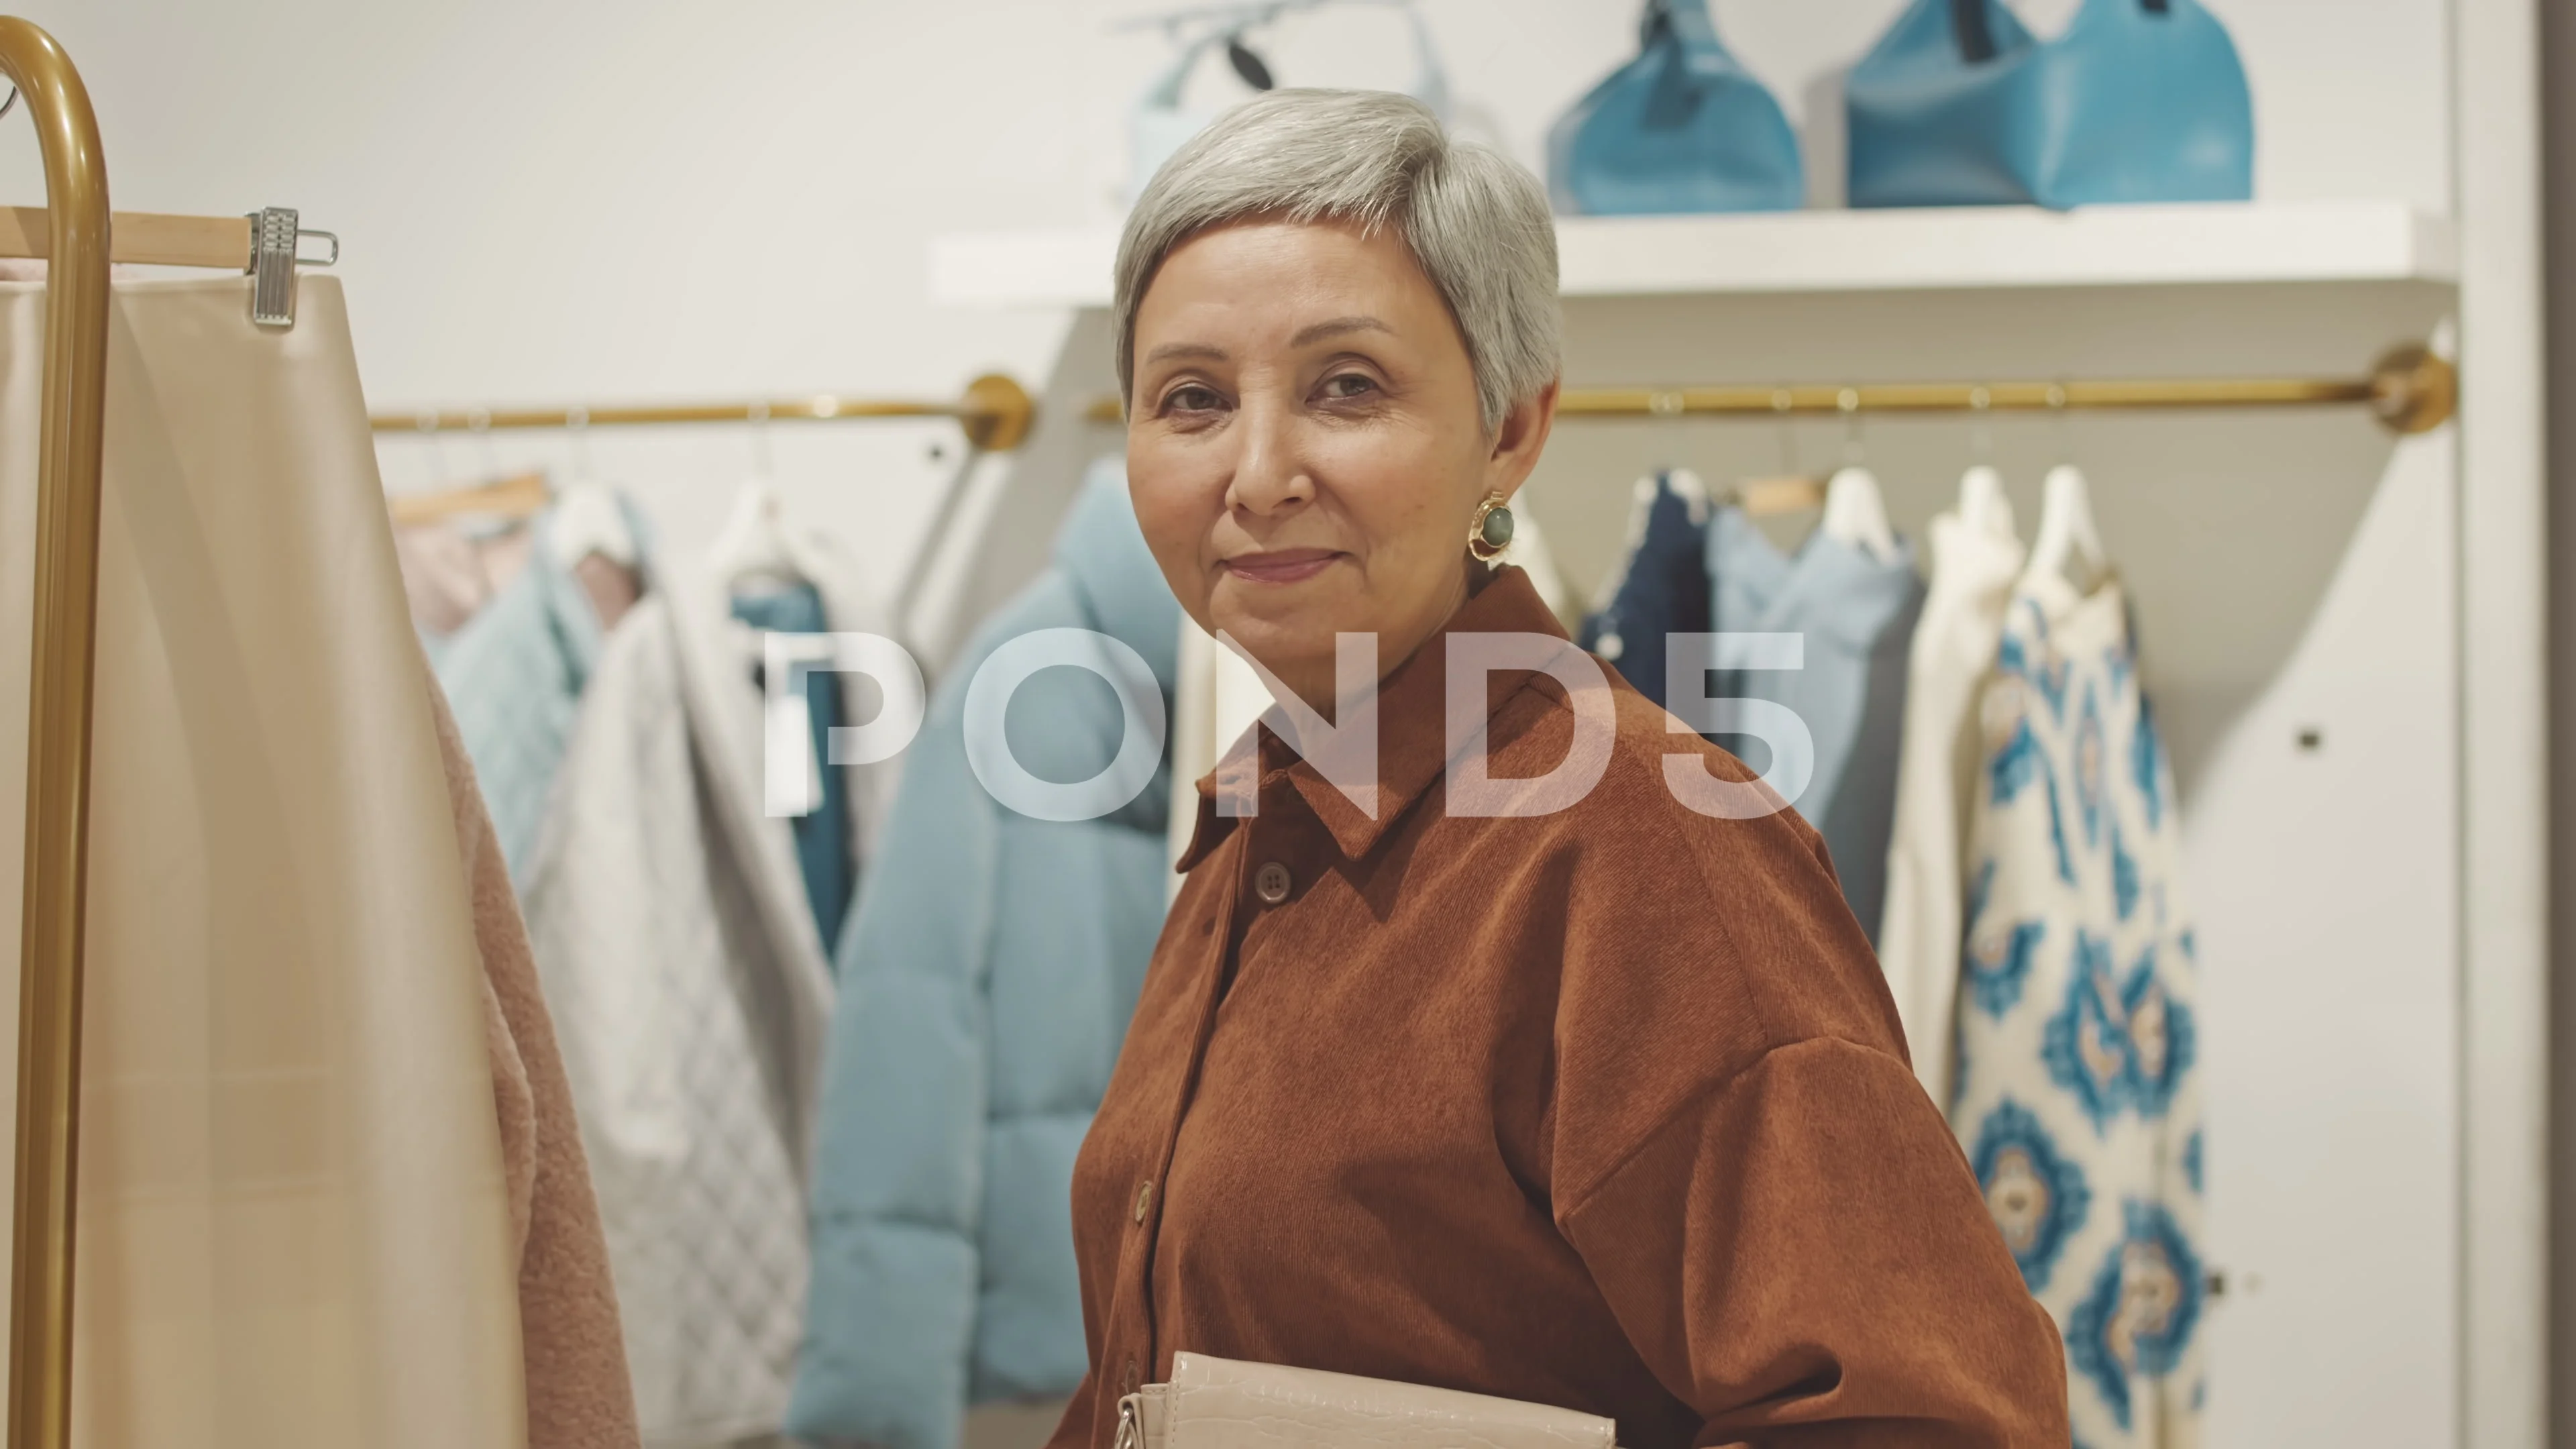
<point>2409,390</point>
<point>995,412</point>
<point>80,239</point>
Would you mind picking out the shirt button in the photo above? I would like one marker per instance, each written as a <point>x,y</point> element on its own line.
<point>1128,1382</point>
<point>1144,1199</point>
<point>1271,883</point>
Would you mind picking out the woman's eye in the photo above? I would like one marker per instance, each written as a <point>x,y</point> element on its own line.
<point>1346,385</point>
<point>1190,399</point>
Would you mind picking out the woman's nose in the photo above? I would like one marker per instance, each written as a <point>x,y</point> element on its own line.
<point>1269,475</point>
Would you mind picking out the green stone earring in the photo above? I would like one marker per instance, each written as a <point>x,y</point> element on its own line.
<point>1490,531</point>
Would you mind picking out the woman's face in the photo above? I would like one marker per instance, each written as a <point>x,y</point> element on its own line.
<point>1304,444</point>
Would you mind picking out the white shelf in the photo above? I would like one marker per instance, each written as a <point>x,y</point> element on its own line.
<point>1849,251</point>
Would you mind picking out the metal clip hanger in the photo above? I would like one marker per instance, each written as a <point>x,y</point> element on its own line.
<point>275,239</point>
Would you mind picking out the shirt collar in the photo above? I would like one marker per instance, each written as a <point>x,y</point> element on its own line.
<point>1413,744</point>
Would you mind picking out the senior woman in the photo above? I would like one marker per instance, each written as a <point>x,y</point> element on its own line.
<point>1604,1107</point>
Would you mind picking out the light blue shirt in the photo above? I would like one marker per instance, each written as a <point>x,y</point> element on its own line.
<point>1857,616</point>
<point>514,675</point>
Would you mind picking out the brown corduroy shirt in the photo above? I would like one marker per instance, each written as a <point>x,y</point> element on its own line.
<point>1606,1108</point>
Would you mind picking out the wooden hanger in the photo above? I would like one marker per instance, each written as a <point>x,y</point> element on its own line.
<point>141,238</point>
<point>1775,496</point>
<point>521,495</point>
<point>261,246</point>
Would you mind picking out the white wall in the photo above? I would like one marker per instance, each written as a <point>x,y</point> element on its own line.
<point>584,201</point>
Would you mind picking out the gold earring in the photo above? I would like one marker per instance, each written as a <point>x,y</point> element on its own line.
<point>1490,531</point>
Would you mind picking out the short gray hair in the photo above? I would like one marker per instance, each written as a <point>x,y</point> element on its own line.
<point>1477,223</point>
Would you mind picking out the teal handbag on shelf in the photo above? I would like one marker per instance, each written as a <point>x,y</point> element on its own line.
<point>1683,127</point>
<point>2139,100</point>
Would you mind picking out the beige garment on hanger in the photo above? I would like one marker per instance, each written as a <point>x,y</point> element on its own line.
<point>293,1226</point>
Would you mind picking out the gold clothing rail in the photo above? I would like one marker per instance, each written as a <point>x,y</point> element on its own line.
<point>50,940</point>
<point>995,412</point>
<point>2409,390</point>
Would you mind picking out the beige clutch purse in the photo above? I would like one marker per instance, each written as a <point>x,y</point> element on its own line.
<point>1215,1403</point>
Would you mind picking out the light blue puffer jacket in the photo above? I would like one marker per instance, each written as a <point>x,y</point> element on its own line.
<point>985,986</point>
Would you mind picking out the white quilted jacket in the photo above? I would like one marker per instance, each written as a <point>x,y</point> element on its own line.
<point>692,994</point>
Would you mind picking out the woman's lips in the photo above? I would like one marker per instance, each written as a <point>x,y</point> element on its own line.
<point>1285,566</point>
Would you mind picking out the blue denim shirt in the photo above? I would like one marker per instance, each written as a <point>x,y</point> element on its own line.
<point>1857,615</point>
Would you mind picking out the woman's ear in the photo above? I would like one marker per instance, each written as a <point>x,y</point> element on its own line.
<point>1518,442</point>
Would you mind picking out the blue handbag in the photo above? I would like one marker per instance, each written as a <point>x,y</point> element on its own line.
<point>1683,127</point>
<point>2139,100</point>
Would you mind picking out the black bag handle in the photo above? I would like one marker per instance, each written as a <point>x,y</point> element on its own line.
<point>1682,21</point>
<point>1976,36</point>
